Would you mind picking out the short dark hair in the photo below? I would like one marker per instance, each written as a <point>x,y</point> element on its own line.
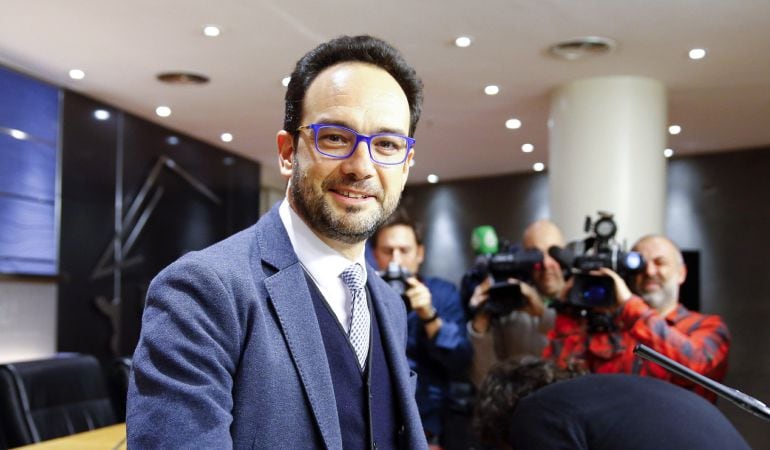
<point>399,217</point>
<point>366,49</point>
<point>506,383</point>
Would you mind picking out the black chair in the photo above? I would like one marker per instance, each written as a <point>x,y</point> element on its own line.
<point>54,397</point>
<point>117,371</point>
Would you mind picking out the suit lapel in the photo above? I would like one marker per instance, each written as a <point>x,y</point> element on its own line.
<point>394,343</point>
<point>290,296</point>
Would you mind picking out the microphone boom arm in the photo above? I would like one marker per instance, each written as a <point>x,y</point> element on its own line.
<point>743,401</point>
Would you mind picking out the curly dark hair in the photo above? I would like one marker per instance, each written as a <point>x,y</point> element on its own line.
<point>506,383</point>
<point>365,49</point>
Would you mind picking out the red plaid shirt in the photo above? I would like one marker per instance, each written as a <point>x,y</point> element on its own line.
<point>698,341</point>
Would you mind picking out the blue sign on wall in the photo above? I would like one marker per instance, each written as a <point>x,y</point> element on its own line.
<point>29,129</point>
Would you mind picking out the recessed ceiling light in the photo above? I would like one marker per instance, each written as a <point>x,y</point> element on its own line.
<point>101,114</point>
<point>491,90</point>
<point>172,140</point>
<point>513,124</point>
<point>18,134</point>
<point>463,41</point>
<point>527,148</point>
<point>226,137</point>
<point>538,167</point>
<point>285,81</point>
<point>674,129</point>
<point>697,53</point>
<point>668,153</point>
<point>77,74</point>
<point>163,111</point>
<point>432,178</point>
<point>211,30</point>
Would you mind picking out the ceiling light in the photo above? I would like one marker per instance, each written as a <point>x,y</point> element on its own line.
<point>211,30</point>
<point>513,124</point>
<point>77,74</point>
<point>527,148</point>
<point>18,134</point>
<point>697,53</point>
<point>538,167</point>
<point>101,114</point>
<point>674,129</point>
<point>668,153</point>
<point>163,111</point>
<point>172,140</point>
<point>226,137</point>
<point>463,41</point>
<point>285,81</point>
<point>491,90</point>
<point>432,178</point>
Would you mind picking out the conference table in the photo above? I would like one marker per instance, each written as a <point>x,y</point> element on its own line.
<point>107,438</point>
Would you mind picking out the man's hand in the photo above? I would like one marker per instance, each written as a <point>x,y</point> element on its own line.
<point>419,298</point>
<point>534,303</point>
<point>622,292</point>
<point>421,302</point>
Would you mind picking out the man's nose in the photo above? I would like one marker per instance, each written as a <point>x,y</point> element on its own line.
<point>397,257</point>
<point>359,163</point>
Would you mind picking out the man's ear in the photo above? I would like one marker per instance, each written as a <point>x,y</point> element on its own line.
<point>286,152</point>
<point>682,273</point>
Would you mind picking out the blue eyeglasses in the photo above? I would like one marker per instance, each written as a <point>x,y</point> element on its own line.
<point>339,142</point>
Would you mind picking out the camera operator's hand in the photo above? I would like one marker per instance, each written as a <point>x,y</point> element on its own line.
<point>421,302</point>
<point>482,319</point>
<point>622,292</point>
<point>535,305</point>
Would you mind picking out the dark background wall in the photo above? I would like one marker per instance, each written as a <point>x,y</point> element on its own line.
<point>107,162</point>
<point>717,206</point>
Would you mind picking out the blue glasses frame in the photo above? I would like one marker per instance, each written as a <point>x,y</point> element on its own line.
<point>359,137</point>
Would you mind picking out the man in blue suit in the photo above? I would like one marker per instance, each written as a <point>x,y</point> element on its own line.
<point>281,336</point>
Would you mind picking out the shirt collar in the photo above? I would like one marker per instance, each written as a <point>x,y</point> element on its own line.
<point>323,263</point>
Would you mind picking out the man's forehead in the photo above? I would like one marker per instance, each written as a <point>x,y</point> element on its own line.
<point>656,246</point>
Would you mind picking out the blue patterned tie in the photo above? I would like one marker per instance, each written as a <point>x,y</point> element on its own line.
<point>359,318</point>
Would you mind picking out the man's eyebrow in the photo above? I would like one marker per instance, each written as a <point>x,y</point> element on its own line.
<point>379,130</point>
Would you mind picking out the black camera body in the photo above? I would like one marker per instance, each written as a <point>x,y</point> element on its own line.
<point>510,262</point>
<point>396,277</point>
<point>598,250</point>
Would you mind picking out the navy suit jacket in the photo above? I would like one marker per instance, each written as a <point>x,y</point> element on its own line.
<point>231,352</point>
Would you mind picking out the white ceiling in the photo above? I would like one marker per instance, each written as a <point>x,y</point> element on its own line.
<point>722,102</point>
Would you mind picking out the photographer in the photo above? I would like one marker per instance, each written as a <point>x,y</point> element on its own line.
<point>522,331</point>
<point>437,344</point>
<point>530,404</point>
<point>652,317</point>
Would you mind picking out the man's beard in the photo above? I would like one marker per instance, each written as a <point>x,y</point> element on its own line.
<point>665,296</point>
<point>348,227</point>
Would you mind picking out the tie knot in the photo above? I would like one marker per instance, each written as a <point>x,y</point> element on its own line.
<point>353,277</point>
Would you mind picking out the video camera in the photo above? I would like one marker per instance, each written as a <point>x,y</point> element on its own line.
<point>598,250</point>
<point>509,262</point>
<point>396,277</point>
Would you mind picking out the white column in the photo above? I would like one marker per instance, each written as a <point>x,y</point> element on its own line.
<point>607,137</point>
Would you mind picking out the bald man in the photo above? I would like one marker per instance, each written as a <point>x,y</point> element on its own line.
<point>522,332</point>
<point>653,316</point>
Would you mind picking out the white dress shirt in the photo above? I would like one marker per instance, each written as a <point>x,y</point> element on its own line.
<point>323,263</point>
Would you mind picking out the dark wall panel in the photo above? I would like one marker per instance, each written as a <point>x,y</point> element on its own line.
<point>184,193</point>
<point>450,211</point>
